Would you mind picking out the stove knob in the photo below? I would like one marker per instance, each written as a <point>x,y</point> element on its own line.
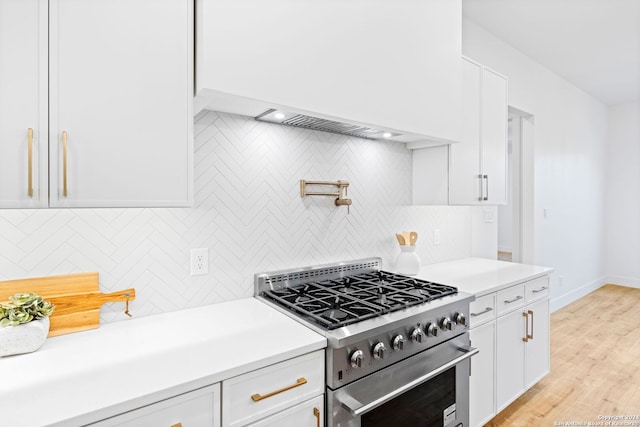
<point>379,350</point>
<point>447,325</point>
<point>461,319</point>
<point>432,330</point>
<point>356,358</point>
<point>417,335</point>
<point>398,343</point>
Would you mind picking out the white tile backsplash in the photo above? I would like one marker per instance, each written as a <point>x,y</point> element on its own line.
<point>248,212</point>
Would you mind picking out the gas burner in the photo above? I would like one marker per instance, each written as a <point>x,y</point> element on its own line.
<point>334,314</point>
<point>336,302</point>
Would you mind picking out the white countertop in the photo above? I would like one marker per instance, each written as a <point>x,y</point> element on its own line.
<point>83,377</point>
<point>481,276</point>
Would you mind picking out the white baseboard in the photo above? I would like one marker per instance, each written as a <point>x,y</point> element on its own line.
<point>632,282</point>
<point>575,294</point>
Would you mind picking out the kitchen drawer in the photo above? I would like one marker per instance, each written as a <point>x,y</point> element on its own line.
<point>536,289</point>
<point>482,310</point>
<point>510,298</point>
<point>198,408</point>
<point>257,394</point>
<point>307,414</point>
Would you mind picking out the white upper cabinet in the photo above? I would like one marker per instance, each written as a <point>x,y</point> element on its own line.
<point>388,64</point>
<point>120,102</point>
<point>478,165</point>
<point>96,103</point>
<point>23,103</point>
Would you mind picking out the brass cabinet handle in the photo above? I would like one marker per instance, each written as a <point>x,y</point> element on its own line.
<point>527,335</point>
<point>176,425</point>
<point>64,163</point>
<point>30,162</point>
<point>258,397</point>
<point>316,413</point>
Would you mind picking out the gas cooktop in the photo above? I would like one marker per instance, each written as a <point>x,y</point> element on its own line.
<point>337,302</point>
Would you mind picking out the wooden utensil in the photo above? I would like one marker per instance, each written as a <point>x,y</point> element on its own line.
<point>413,237</point>
<point>77,298</point>
<point>401,240</point>
<point>407,237</point>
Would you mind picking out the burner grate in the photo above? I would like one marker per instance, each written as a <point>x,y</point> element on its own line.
<point>337,302</point>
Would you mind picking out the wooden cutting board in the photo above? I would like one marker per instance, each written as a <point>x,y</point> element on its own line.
<point>77,298</point>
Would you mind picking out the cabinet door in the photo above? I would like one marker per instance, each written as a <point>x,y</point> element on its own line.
<point>509,358</point>
<point>482,380</point>
<point>494,136</point>
<point>199,408</point>
<point>464,158</point>
<point>23,103</point>
<point>306,414</point>
<point>537,348</point>
<point>120,102</point>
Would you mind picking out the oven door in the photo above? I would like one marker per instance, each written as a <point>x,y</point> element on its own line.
<point>429,389</point>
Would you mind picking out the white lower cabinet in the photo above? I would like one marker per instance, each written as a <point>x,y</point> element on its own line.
<point>273,391</point>
<point>306,414</point>
<point>482,379</point>
<point>511,329</point>
<point>285,394</point>
<point>510,358</point>
<point>537,358</point>
<point>198,408</point>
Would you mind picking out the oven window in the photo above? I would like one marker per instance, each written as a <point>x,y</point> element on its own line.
<point>422,406</point>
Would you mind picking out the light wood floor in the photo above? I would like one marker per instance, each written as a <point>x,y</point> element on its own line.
<point>595,364</point>
<point>505,256</point>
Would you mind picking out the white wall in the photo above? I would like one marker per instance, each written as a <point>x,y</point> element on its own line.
<point>248,212</point>
<point>570,148</point>
<point>623,195</point>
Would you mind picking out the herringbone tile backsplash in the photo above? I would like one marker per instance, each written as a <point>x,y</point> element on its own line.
<point>247,211</point>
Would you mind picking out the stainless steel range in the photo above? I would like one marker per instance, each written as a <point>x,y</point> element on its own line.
<point>398,347</point>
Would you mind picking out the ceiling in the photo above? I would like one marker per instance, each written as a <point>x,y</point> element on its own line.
<point>595,44</point>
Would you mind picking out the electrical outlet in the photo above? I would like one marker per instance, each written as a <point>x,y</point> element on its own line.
<point>436,236</point>
<point>199,261</point>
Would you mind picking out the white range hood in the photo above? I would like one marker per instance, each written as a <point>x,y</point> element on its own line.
<point>390,67</point>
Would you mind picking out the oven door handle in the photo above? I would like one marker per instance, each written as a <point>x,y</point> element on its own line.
<point>356,408</point>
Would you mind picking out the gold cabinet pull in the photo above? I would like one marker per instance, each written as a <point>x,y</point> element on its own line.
<point>64,163</point>
<point>258,397</point>
<point>316,413</point>
<point>526,327</point>
<point>176,425</point>
<point>30,162</point>
<point>531,313</point>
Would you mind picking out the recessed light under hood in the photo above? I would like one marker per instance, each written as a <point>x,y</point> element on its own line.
<point>315,123</point>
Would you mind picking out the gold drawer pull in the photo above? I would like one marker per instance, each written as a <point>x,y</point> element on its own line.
<point>177,425</point>
<point>30,162</point>
<point>316,413</point>
<point>258,397</point>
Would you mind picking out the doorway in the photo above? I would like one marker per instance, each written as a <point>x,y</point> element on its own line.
<point>515,219</point>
